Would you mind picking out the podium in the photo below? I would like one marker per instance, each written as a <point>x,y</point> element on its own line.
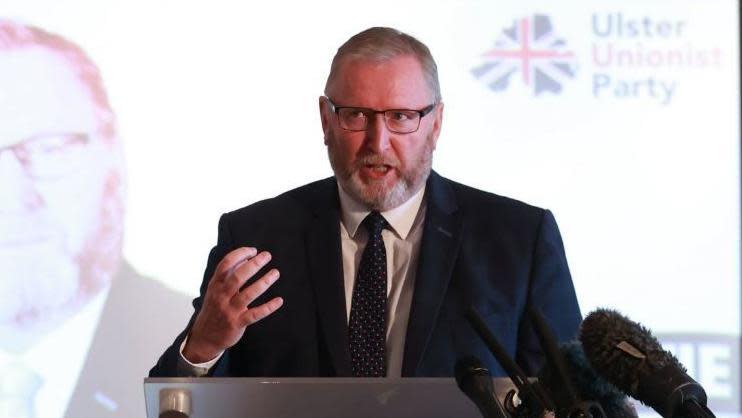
<point>310,398</point>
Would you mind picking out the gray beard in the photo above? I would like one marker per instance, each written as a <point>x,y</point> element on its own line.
<point>377,196</point>
<point>45,288</point>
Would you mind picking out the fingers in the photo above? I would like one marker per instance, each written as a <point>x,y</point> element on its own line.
<point>225,314</point>
<point>235,269</point>
<point>247,295</point>
<point>253,315</point>
<point>232,259</point>
<point>244,271</point>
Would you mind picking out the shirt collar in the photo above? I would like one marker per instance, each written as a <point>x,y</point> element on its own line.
<point>400,218</point>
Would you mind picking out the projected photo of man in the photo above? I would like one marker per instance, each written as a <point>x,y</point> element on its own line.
<point>72,314</point>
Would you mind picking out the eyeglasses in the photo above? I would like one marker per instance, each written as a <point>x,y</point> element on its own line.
<point>401,121</point>
<point>50,156</point>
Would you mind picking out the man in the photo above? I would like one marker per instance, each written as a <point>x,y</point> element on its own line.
<point>69,337</point>
<point>378,264</point>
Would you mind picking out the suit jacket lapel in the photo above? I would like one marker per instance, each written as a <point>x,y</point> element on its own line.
<point>326,272</point>
<point>438,250</point>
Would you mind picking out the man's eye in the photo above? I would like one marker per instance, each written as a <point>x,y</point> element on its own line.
<point>401,116</point>
<point>356,114</point>
<point>44,144</point>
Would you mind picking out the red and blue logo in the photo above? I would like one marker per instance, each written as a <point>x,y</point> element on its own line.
<point>530,48</point>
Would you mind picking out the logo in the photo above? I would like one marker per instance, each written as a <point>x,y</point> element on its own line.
<point>529,48</point>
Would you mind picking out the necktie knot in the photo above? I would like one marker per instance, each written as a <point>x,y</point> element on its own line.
<point>375,223</point>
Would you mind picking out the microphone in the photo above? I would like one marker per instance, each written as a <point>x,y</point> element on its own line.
<point>532,395</point>
<point>568,403</point>
<point>476,382</point>
<point>587,383</point>
<point>628,356</point>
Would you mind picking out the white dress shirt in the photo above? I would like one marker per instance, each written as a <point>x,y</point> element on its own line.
<point>402,243</point>
<point>70,341</point>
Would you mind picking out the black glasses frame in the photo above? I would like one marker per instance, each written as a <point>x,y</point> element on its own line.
<point>422,112</point>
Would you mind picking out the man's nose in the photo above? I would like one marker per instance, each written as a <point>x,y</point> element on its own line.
<point>18,193</point>
<point>377,134</point>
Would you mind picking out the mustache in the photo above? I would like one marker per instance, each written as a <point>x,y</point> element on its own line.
<point>377,159</point>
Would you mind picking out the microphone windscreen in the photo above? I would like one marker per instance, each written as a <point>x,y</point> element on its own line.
<point>622,350</point>
<point>590,386</point>
<point>628,356</point>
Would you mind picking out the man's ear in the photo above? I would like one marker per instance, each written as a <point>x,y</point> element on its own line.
<point>437,123</point>
<point>324,114</point>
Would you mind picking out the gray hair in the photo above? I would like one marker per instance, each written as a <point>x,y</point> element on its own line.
<point>383,44</point>
<point>14,36</point>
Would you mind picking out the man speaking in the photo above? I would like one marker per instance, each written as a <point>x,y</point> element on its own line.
<point>377,264</point>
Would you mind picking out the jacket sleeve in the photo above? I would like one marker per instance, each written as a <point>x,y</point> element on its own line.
<point>550,291</point>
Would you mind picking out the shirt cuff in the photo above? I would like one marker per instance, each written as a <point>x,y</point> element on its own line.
<point>186,368</point>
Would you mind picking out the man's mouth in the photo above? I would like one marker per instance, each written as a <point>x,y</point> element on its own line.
<point>381,168</point>
<point>376,170</point>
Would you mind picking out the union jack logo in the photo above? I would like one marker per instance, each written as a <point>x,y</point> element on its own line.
<point>530,47</point>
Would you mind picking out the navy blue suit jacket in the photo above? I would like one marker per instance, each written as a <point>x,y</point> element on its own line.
<point>494,253</point>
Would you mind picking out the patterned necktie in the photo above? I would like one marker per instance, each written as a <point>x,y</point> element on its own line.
<point>18,387</point>
<point>368,308</point>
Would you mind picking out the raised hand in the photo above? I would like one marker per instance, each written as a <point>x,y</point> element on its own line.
<point>225,313</point>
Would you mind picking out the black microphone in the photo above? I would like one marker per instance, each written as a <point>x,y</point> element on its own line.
<point>628,356</point>
<point>568,404</point>
<point>587,384</point>
<point>532,395</point>
<point>476,382</point>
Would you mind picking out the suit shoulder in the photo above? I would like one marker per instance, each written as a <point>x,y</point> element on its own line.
<point>476,201</point>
